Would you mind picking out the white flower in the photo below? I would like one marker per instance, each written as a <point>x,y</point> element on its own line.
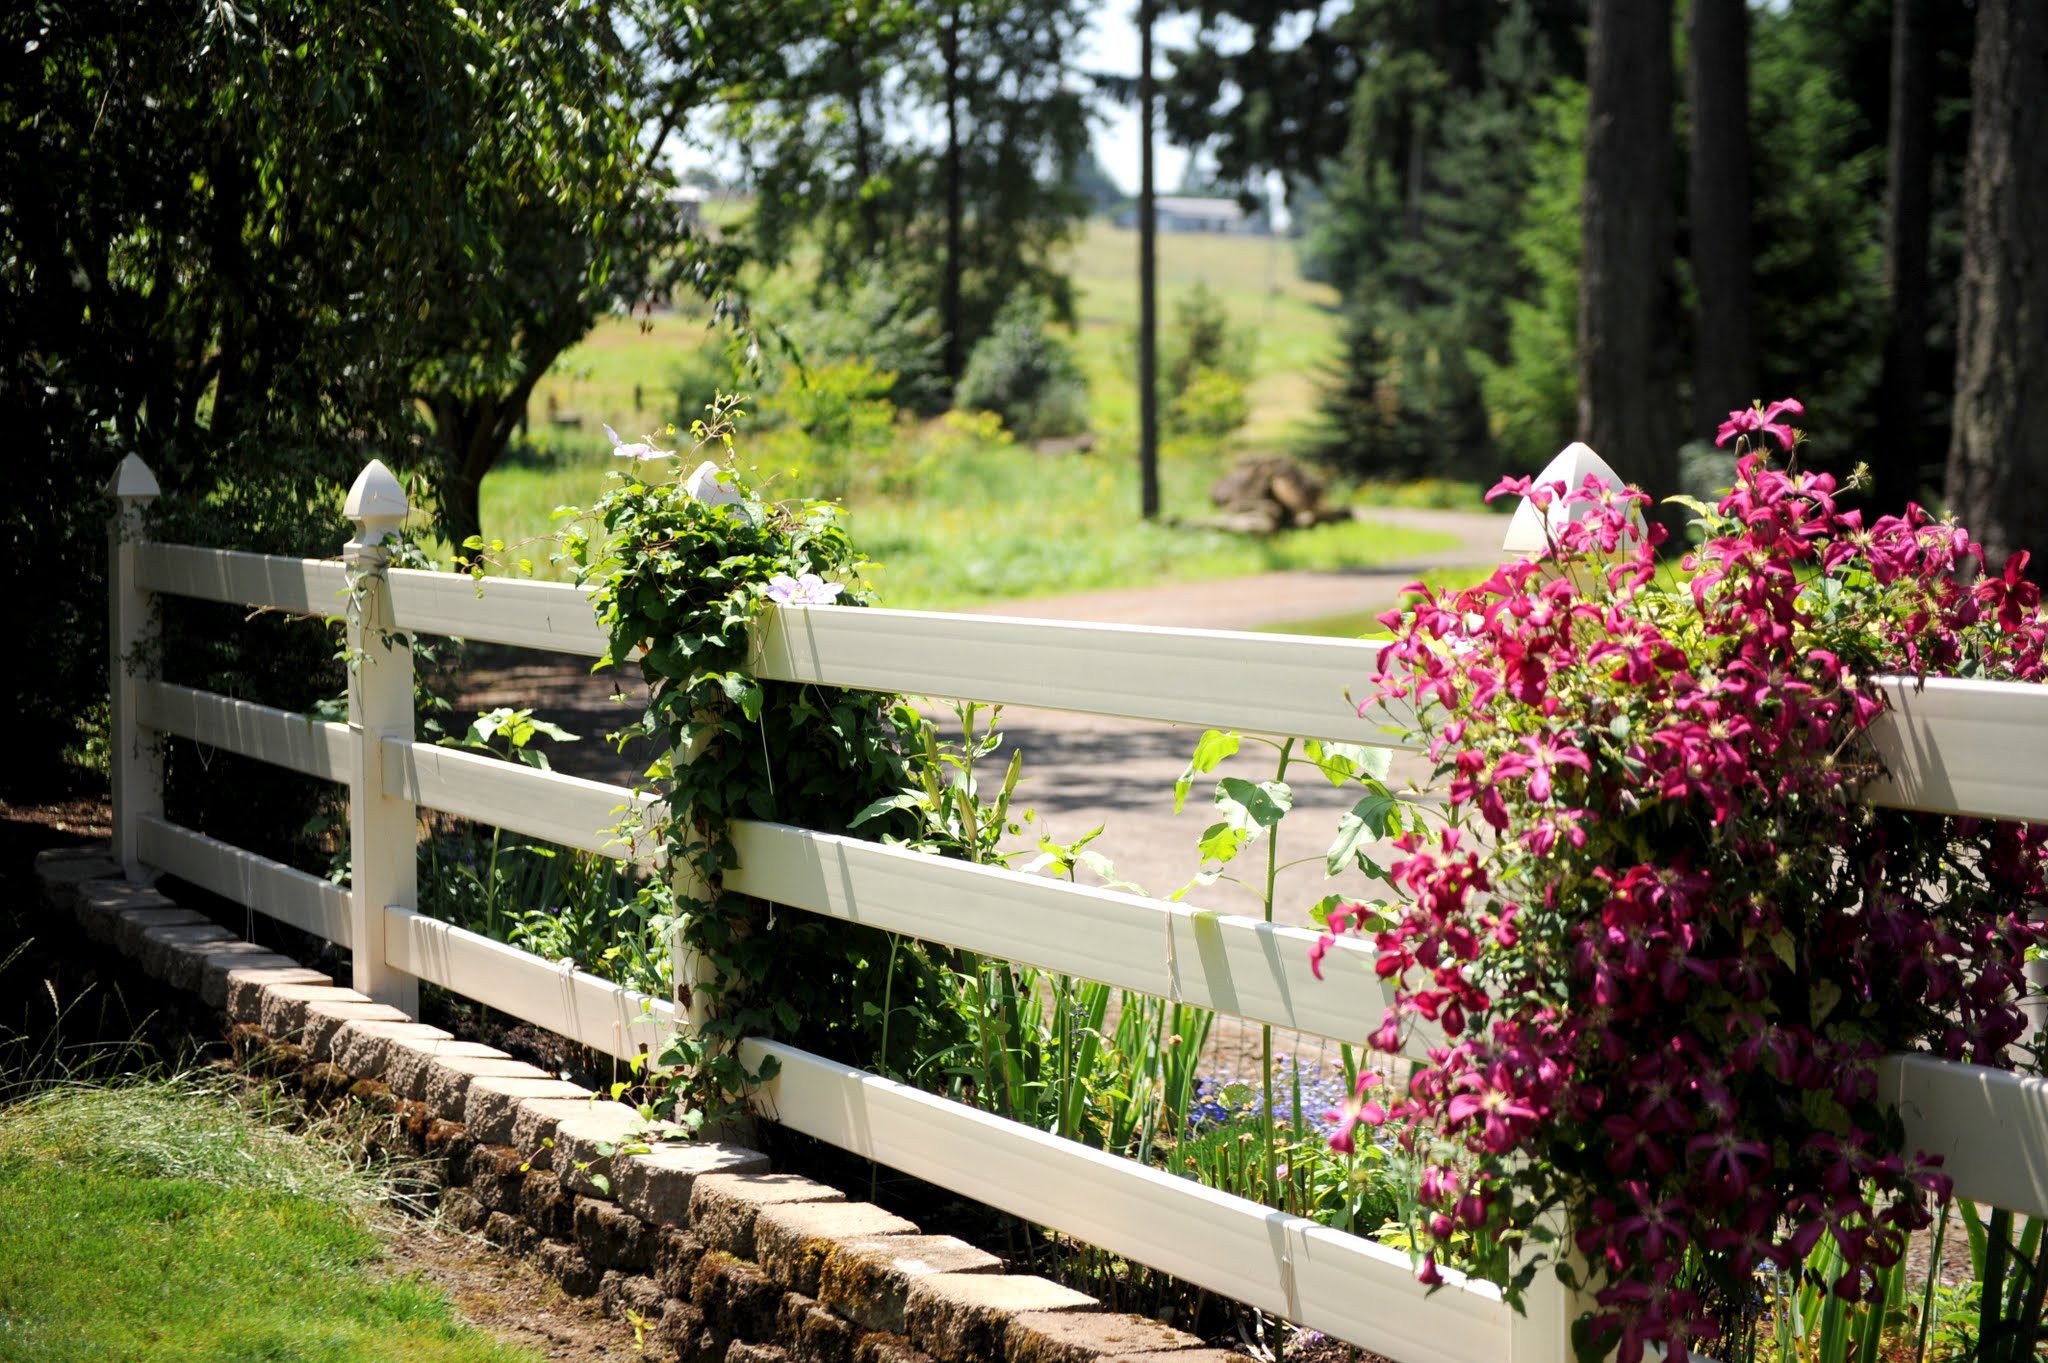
<point>710,485</point>
<point>641,450</point>
<point>808,590</point>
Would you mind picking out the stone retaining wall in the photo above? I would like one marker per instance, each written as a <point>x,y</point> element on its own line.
<point>719,1257</point>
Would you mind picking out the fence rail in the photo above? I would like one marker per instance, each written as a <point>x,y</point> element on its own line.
<point>1957,747</point>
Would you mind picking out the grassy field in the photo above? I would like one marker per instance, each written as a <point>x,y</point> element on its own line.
<point>996,523</point>
<point>160,1221</point>
<point>1292,323</point>
<point>958,518</point>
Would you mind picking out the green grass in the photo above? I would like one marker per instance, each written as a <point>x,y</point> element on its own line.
<point>955,520</point>
<point>161,1221</point>
<point>989,523</point>
<point>1292,321</point>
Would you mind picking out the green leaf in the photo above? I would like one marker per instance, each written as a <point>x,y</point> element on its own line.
<point>1214,746</point>
<point>1367,819</point>
<point>1263,804</point>
<point>1341,762</point>
<point>901,800</point>
<point>1221,842</point>
<point>744,692</point>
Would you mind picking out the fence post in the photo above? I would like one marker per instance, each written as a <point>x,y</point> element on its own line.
<point>383,829</point>
<point>135,757</point>
<point>1544,1333</point>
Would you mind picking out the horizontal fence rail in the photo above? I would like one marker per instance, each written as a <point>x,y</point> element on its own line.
<point>1949,746</point>
<point>562,809</point>
<point>1255,683</point>
<point>576,1004</point>
<point>498,610</point>
<point>302,586</point>
<point>283,738</point>
<point>1250,969</point>
<point>1989,1127</point>
<point>1343,1285</point>
<point>269,887</point>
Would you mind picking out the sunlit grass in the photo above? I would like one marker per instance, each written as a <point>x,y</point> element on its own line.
<point>1292,322</point>
<point>952,523</point>
<point>987,522</point>
<point>160,1220</point>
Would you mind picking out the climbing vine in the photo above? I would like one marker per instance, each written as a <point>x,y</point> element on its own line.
<point>682,566</point>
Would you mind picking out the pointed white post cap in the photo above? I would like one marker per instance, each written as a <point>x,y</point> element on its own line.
<point>375,496</point>
<point>1526,532</point>
<point>132,481</point>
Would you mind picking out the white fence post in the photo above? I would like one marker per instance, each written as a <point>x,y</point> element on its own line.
<point>383,829</point>
<point>1544,1334</point>
<point>135,755</point>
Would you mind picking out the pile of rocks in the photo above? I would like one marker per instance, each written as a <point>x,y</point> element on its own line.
<point>1265,493</point>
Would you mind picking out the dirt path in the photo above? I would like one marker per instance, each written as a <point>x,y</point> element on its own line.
<point>1275,598</point>
<point>506,1295</point>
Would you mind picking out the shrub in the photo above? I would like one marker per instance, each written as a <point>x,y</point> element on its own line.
<point>1026,376</point>
<point>832,426</point>
<point>880,324</point>
<point>1211,405</point>
<point>1661,941</point>
<point>1200,338</point>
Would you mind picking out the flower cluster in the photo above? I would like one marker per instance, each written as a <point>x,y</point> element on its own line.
<point>1658,945</point>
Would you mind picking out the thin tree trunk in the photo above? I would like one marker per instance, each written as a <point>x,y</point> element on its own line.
<point>1724,345</point>
<point>949,290</point>
<point>1627,393</point>
<point>1148,281</point>
<point>863,148</point>
<point>1411,223</point>
<point>1998,453</point>
<point>1898,468</point>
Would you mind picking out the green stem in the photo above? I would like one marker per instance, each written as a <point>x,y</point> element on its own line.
<point>888,990</point>
<point>2027,1322</point>
<point>1927,1291</point>
<point>1991,1285</point>
<point>1272,1169</point>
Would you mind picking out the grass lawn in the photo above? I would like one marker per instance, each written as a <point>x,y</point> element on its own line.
<point>160,1221</point>
<point>995,523</point>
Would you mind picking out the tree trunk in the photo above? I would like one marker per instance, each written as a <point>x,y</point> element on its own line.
<point>1148,282</point>
<point>1724,344</point>
<point>949,289</point>
<point>1898,465</point>
<point>1411,213</point>
<point>1627,389</point>
<point>1998,453</point>
<point>472,433</point>
<point>863,147</point>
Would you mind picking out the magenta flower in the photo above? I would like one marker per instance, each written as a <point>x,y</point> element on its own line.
<point>1664,971</point>
<point>1750,420</point>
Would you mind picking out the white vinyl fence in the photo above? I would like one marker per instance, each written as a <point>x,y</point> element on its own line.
<point>1954,746</point>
